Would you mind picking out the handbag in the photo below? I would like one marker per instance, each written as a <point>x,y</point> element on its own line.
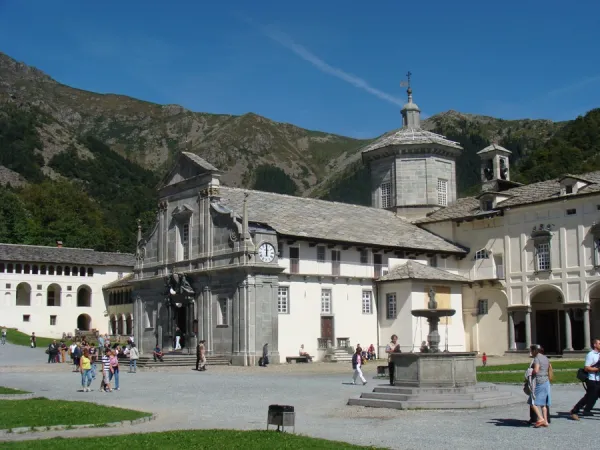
<point>527,388</point>
<point>550,373</point>
<point>582,375</point>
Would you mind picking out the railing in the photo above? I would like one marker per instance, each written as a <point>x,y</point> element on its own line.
<point>343,342</point>
<point>331,268</point>
<point>324,343</point>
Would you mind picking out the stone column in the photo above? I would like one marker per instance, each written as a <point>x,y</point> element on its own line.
<point>568,333</point>
<point>528,328</point>
<point>511,331</point>
<point>586,327</point>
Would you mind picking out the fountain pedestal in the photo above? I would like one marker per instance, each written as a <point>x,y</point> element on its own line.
<point>434,369</point>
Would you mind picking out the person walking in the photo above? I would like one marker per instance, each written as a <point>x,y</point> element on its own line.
<point>134,355</point>
<point>392,347</point>
<point>105,383</point>
<point>33,340</point>
<point>85,366</point>
<point>200,357</point>
<point>177,338</point>
<point>3,336</point>
<point>539,375</point>
<point>356,366</point>
<point>265,356</point>
<point>592,384</point>
<point>114,369</point>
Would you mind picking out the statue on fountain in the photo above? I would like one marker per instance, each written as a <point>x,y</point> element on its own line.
<point>432,303</point>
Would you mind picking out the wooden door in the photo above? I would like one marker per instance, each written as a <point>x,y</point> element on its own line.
<point>327,328</point>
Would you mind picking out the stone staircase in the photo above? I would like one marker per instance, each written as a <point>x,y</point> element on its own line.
<point>338,355</point>
<point>483,395</point>
<point>178,359</point>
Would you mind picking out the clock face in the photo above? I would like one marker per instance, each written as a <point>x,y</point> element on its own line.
<point>266,252</point>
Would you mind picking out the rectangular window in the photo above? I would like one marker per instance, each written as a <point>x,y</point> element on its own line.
<point>52,320</point>
<point>69,288</point>
<point>336,257</point>
<point>39,287</point>
<point>481,254</point>
<point>571,212</point>
<point>386,194</point>
<point>364,257</point>
<point>482,307</point>
<point>25,317</point>
<point>367,302</point>
<point>185,240</point>
<point>320,253</point>
<point>223,318</point>
<point>569,189</point>
<point>294,260</point>
<point>326,301</point>
<point>542,256</point>
<point>377,264</point>
<point>433,261</point>
<point>7,285</point>
<point>390,301</point>
<point>442,192</point>
<point>283,300</point>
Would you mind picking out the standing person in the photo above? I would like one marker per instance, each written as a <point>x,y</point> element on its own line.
<point>265,356</point>
<point>3,336</point>
<point>200,357</point>
<point>100,345</point>
<point>105,383</point>
<point>392,347</point>
<point>33,340</point>
<point>63,352</point>
<point>52,352</point>
<point>85,365</point>
<point>356,365</point>
<point>134,355</point>
<point>540,390</point>
<point>592,367</point>
<point>177,338</point>
<point>484,359</point>
<point>114,369</point>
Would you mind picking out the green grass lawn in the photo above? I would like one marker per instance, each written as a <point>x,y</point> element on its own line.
<point>19,338</point>
<point>38,412</point>
<point>195,439</point>
<point>5,390</point>
<point>559,377</point>
<point>523,366</point>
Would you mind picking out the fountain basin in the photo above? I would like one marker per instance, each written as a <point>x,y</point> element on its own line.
<point>433,313</point>
<point>447,369</point>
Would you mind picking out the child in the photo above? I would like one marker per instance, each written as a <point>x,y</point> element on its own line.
<point>356,363</point>
<point>484,359</point>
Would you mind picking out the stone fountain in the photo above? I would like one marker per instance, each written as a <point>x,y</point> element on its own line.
<point>432,379</point>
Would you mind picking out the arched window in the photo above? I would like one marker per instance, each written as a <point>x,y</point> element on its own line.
<point>1,267</point>
<point>34,269</point>
<point>120,324</point>
<point>113,325</point>
<point>18,268</point>
<point>58,270</point>
<point>84,322</point>
<point>51,270</point>
<point>67,271</point>
<point>23,294</point>
<point>53,295</point>
<point>43,270</point>
<point>90,272</point>
<point>82,271</point>
<point>129,325</point>
<point>27,269</point>
<point>84,296</point>
<point>9,268</point>
<point>74,271</point>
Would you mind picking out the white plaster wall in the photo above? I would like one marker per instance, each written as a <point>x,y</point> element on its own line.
<point>68,311</point>
<point>302,325</point>
<point>485,333</point>
<point>400,325</point>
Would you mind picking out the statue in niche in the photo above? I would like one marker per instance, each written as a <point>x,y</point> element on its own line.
<point>488,171</point>
<point>177,284</point>
<point>432,303</point>
<point>503,169</point>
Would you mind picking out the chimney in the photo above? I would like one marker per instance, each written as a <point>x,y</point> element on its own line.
<point>59,244</point>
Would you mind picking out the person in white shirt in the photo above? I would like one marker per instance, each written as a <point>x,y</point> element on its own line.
<point>392,347</point>
<point>592,367</point>
<point>304,353</point>
<point>3,336</point>
<point>356,365</point>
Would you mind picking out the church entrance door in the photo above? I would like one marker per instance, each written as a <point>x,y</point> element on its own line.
<point>180,321</point>
<point>327,328</point>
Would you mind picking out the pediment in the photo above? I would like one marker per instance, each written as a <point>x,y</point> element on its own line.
<point>188,165</point>
<point>182,212</point>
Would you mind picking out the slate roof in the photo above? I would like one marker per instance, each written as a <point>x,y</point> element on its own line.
<point>123,282</point>
<point>332,221</point>
<point>201,162</point>
<point>413,270</point>
<point>63,255</point>
<point>492,147</point>
<point>408,136</point>
<point>543,191</point>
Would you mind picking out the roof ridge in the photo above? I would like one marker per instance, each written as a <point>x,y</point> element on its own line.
<point>53,246</point>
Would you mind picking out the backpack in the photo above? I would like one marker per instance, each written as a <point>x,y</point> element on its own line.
<point>582,375</point>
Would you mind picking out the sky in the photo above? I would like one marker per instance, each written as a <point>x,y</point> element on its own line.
<point>333,65</point>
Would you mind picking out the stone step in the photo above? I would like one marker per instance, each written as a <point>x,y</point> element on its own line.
<point>406,390</point>
<point>182,360</point>
<point>501,400</point>
<point>447,397</point>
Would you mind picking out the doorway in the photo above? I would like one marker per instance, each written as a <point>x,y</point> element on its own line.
<point>180,321</point>
<point>550,330</point>
<point>327,328</point>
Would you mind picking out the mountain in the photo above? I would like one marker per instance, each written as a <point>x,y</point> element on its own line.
<point>110,150</point>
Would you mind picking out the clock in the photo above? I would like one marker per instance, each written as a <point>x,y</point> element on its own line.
<point>266,252</point>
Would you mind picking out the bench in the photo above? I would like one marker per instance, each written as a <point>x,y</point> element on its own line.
<point>296,359</point>
<point>383,371</point>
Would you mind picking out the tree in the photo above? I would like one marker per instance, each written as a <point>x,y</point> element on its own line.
<point>272,179</point>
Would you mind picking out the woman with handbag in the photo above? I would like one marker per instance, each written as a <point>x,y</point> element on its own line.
<point>538,376</point>
<point>532,415</point>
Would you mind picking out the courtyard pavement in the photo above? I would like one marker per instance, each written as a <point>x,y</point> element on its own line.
<point>238,398</point>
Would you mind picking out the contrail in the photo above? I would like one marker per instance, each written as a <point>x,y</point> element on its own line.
<point>304,53</point>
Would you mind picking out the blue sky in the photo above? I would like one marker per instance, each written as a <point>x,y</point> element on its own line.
<point>328,65</point>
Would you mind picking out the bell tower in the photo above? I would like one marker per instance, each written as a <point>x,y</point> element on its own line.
<point>495,168</point>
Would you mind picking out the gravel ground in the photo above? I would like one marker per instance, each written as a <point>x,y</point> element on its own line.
<point>233,397</point>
